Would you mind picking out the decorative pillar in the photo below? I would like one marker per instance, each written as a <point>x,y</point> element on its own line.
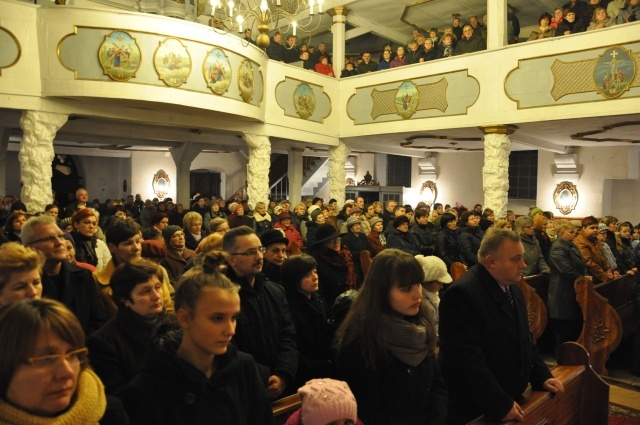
<point>496,24</point>
<point>338,29</point>
<point>4,145</point>
<point>183,156</point>
<point>258,168</point>
<point>36,155</point>
<point>495,173</point>
<point>295,175</point>
<point>337,174</point>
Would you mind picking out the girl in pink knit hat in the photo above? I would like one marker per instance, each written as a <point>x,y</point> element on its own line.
<point>325,402</point>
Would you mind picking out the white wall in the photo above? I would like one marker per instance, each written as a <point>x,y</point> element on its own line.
<point>460,178</point>
<point>364,162</point>
<point>144,165</point>
<point>103,177</point>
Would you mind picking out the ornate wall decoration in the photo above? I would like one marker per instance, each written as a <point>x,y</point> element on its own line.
<point>304,100</point>
<point>429,192</point>
<point>565,197</point>
<point>10,50</point>
<point>217,71</point>
<point>172,62</point>
<point>578,77</point>
<point>119,56</point>
<point>246,80</point>
<point>409,98</point>
<point>161,184</point>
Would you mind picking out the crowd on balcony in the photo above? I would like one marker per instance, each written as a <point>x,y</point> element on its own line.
<point>574,17</point>
<point>215,310</point>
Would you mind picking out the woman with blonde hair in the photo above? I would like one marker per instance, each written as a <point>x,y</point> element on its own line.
<point>386,346</point>
<point>20,273</point>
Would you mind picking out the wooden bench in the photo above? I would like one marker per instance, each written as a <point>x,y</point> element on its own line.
<point>284,407</point>
<point>365,261</point>
<point>584,401</point>
<point>607,312</point>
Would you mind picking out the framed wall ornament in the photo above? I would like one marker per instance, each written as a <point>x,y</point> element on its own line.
<point>119,56</point>
<point>172,62</point>
<point>565,197</point>
<point>304,100</point>
<point>161,184</point>
<point>429,192</point>
<point>217,71</point>
<point>614,72</point>
<point>246,80</point>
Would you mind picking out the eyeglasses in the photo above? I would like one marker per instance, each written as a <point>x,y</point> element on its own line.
<point>50,238</point>
<point>251,252</point>
<point>76,357</point>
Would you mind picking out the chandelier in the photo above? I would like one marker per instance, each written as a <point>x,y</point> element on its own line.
<point>288,16</point>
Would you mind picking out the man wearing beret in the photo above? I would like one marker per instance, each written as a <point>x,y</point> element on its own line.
<point>178,255</point>
<point>275,244</point>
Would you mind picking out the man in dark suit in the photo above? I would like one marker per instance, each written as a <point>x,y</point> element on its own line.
<point>486,352</point>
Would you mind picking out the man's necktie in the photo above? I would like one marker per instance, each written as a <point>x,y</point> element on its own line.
<point>507,293</point>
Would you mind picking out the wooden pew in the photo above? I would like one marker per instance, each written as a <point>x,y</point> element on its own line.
<point>284,407</point>
<point>541,284</point>
<point>607,313</point>
<point>584,401</point>
<point>365,261</point>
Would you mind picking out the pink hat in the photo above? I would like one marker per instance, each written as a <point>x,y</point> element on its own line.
<point>327,400</point>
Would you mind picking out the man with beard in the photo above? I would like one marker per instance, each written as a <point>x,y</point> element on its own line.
<point>586,242</point>
<point>264,326</point>
<point>275,244</point>
<point>485,348</point>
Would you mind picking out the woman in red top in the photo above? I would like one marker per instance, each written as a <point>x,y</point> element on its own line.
<point>323,67</point>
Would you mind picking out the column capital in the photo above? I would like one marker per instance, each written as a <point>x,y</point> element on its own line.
<point>507,129</point>
<point>339,10</point>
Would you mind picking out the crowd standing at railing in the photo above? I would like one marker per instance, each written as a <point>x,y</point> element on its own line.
<point>288,288</point>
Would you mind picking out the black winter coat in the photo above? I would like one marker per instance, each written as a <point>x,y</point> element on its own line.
<point>171,391</point>
<point>74,287</point>
<point>425,238</point>
<point>470,239</point>
<point>448,247</point>
<point>395,393</point>
<point>356,244</point>
<point>331,276</point>
<point>117,350</point>
<point>191,242</point>
<point>313,338</point>
<point>566,265</point>
<point>264,327</point>
<point>402,241</point>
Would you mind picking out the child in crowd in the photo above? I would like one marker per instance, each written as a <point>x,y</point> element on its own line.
<point>326,402</point>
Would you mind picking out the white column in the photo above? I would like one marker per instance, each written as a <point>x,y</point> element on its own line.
<point>258,168</point>
<point>183,156</point>
<point>36,155</point>
<point>5,132</point>
<point>337,174</point>
<point>496,24</point>
<point>338,29</point>
<point>495,173</point>
<point>294,174</point>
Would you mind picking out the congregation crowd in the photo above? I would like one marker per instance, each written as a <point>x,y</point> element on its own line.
<point>146,312</point>
<point>573,17</point>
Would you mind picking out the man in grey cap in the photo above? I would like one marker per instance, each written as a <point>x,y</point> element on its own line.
<point>275,244</point>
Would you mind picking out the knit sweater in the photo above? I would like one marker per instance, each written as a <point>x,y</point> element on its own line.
<point>87,409</point>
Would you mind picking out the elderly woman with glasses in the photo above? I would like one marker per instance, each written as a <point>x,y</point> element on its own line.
<point>44,377</point>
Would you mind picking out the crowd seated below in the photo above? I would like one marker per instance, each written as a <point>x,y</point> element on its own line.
<point>288,301</point>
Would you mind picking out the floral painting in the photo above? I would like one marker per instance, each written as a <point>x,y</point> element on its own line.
<point>304,100</point>
<point>407,100</point>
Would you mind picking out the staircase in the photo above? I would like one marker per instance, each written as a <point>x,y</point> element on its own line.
<point>315,177</point>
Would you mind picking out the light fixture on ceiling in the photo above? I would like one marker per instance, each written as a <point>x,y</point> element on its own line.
<point>289,16</point>
<point>565,197</point>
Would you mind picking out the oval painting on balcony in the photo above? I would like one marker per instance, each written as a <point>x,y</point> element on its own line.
<point>407,99</point>
<point>119,56</point>
<point>245,80</point>
<point>217,71</point>
<point>614,71</point>
<point>304,100</point>
<point>172,62</point>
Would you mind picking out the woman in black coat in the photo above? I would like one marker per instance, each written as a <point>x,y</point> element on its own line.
<point>117,350</point>
<point>313,337</point>
<point>195,375</point>
<point>567,265</point>
<point>470,237</point>
<point>386,347</point>
<point>448,241</point>
<point>356,242</point>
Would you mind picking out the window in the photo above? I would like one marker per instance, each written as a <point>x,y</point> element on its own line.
<point>398,170</point>
<point>523,175</point>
